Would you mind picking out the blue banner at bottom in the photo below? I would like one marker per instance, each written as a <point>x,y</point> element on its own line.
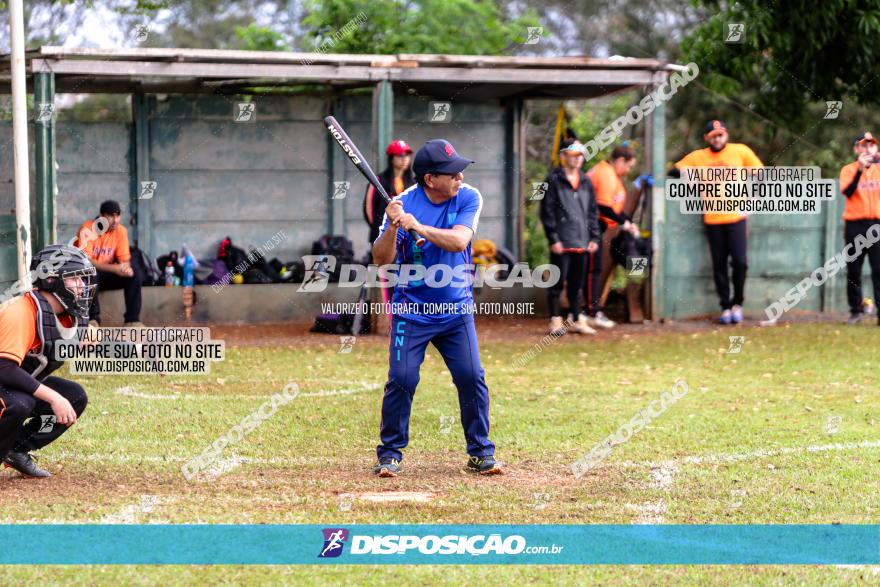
<point>441,544</point>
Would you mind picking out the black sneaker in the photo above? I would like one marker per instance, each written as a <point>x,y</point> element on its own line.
<point>387,467</point>
<point>24,463</point>
<point>485,465</point>
<point>854,318</point>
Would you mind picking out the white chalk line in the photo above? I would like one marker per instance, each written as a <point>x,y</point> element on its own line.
<point>132,513</point>
<point>753,455</point>
<point>662,479</point>
<point>649,512</point>
<point>66,455</point>
<point>129,391</point>
<point>662,473</point>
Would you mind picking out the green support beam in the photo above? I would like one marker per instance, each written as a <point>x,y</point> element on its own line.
<point>141,213</point>
<point>658,212</point>
<point>512,180</point>
<point>44,159</point>
<point>336,164</point>
<point>383,121</point>
<point>833,292</point>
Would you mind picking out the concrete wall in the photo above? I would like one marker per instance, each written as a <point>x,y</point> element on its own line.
<point>8,253</point>
<point>219,178</point>
<point>94,164</point>
<point>783,249</point>
<point>477,131</point>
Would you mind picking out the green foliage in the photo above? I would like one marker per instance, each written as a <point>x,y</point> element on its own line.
<point>139,7</point>
<point>802,52</point>
<point>592,117</point>
<point>260,38</point>
<point>468,27</point>
<point>98,108</point>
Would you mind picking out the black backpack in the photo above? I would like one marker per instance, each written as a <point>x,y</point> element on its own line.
<point>148,267</point>
<point>339,324</point>
<point>625,245</point>
<point>338,246</point>
<point>235,258</point>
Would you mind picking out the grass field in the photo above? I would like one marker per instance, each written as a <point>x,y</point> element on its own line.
<point>785,431</point>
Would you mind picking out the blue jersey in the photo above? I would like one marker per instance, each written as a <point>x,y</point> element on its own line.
<point>446,291</point>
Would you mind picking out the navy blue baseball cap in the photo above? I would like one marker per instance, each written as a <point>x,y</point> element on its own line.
<point>438,156</point>
<point>714,127</point>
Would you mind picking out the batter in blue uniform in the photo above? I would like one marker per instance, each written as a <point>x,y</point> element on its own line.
<point>433,305</point>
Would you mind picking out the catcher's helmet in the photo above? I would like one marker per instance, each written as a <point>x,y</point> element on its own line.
<point>55,263</point>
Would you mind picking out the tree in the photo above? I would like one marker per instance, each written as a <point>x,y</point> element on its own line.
<point>469,27</point>
<point>46,22</point>
<point>801,51</point>
<point>259,38</point>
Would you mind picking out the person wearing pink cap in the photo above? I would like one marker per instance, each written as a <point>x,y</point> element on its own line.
<point>398,176</point>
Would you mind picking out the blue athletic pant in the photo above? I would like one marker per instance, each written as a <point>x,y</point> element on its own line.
<point>456,340</point>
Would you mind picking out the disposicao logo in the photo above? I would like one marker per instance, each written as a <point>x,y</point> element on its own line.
<point>472,545</point>
<point>334,541</point>
<point>477,545</point>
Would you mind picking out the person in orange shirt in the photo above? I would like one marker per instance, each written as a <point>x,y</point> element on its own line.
<point>726,232</point>
<point>606,177</point>
<point>860,185</point>
<point>110,253</point>
<point>36,407</point>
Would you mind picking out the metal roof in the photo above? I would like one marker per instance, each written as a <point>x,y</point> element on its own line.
<point>465,77</point>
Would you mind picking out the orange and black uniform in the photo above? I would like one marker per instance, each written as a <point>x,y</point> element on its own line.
<point>610,199</point>
<point>112,247</point>
<point>861,188</point>
<point>726,232</point>
<point>18,337</point>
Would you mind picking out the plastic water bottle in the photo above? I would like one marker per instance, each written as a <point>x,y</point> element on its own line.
<point>169,274</point>
<point>189,269</point>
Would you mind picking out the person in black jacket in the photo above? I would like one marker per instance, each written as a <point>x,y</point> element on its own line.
<point>397,177</point>
<point>571,223</point>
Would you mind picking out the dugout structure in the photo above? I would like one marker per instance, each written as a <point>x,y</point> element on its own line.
<point>217,175</point>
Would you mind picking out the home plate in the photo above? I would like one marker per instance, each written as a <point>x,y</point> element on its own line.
<point>386,496</point>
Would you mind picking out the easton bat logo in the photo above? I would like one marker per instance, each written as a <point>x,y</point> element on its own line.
<point>345,146</point>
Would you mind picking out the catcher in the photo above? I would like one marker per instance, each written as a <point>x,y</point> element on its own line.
<point>35,407</point>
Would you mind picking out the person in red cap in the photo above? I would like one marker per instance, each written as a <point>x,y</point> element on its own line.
<point>860,185</point>
<point>395,179</point>
<point>726,232</point>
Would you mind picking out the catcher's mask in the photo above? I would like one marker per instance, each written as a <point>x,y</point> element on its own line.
<point>67,273</point>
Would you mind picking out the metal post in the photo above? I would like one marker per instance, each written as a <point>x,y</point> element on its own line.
<point>831,290</point>
<point>512,180</point>
<point>20,143</point>
<point>648,212</point>
<point>658,210</point>
<point>383,120</point>
<point>44,137</point>
<point>141,212</point>
<point>335,164</point>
